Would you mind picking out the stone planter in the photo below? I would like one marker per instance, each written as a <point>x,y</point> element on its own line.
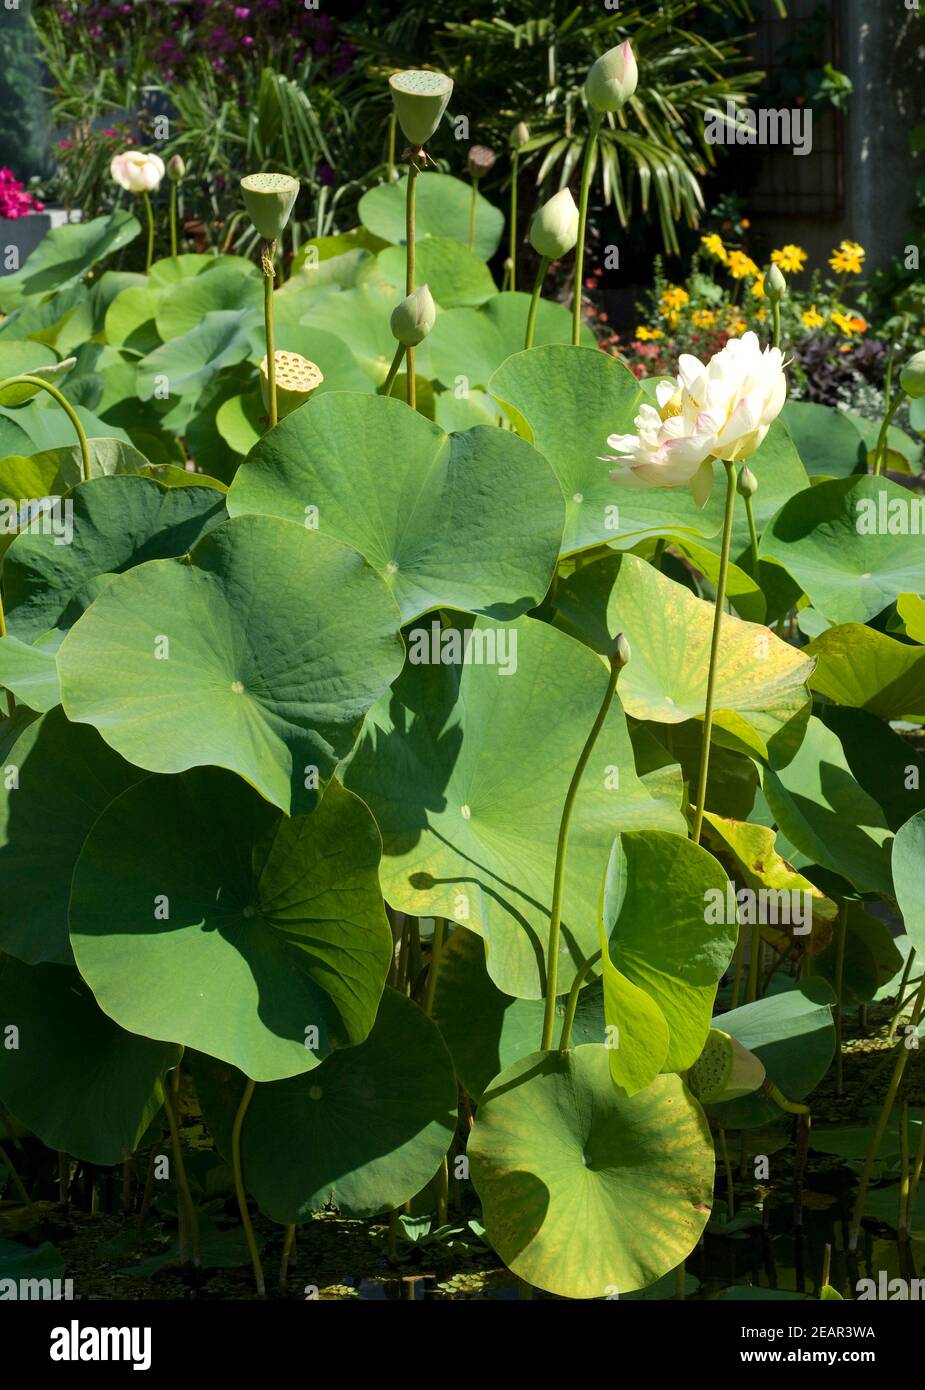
<point>19,236</point>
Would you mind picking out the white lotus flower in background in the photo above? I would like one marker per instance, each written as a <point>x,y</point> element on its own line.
<point>719,411</point>
<point>137,171</point>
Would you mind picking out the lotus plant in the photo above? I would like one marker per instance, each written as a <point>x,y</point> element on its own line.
<point>269,200</point>
<point>140,172</point>
<point>410,322</point>
<point>479,162</point>
<point>553,233</point>
<point>176,170</point>
<point>518,139</point>
<point>296,380</point>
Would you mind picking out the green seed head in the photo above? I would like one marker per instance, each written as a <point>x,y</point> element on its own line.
<point>414,317</point>
<point>296,379</point>
<point>912,376</point>
<point>420,100</point>
<point>724,1070</point>
<point>269,199</point>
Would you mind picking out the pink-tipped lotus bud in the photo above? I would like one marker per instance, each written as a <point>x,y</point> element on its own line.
<point>612,79</point>
<point>176,169</point>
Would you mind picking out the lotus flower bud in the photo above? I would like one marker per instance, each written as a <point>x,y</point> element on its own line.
<point>775,286</point>
<point>612,79</point>
<point>554,229</point>
<point>912,376</point>
<point>420,100</point>
<point>520,135</point>
<point>413,318</point>
<point>480,161</point>
<point>748,483</point>
<point>176,169</point>
<point>296,379</point>
<point>621,651</point>
<point>269,199</point>
<point>725,1070</point>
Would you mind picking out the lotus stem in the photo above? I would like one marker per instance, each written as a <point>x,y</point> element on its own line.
<point>534,301</point>
<point>26,379</point>
<point>410,264</point>
<point>590,146</point>
<point>473,214</point>
<point>916,1171</point>
<point>239,1187</point>
<point>903,1222</point>
<point>391,171</point>
<point>901,992</point>
<point>770,1092</point>
<point>775,323</point>
<point>393,370</point>
<point>512,230</point>
<point>436,954</point>
<point>442,1191</point>
<point>555,916</point>
<point>884,431</point>
<point>571,1006</point>
<point>727,1165</point>
<point>288,1247</point>
<point>189,1223</point>
<point>267,251</point>
<point>753,534</point>
<point>714,648</point>
<point>150,213</point>
<point>173,218</point>
<point>841,927</point>
<point>739,964</point>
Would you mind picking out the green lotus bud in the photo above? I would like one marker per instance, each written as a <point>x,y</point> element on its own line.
<point>520,135</point>
<point>269,199</point>
<point>296,379</point>
<point>621,651</point>
<point>612,79</point>
<point>554,229</point>
<point>420,100</point>
<point>912,376</point>
<point>725,1070</point>
<point>480,161</point>
<point>176,169</point>
<point>775,286</point>
<point>413,318</point>
<point>748,483</point>
<point>20,391</point>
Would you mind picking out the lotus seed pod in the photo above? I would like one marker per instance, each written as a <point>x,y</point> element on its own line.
<point>622,652</point>
<point>912,376</point>
<point>775,286</point>
<point>520,135</point>
<point>612,79</point>
<point>554,229</point>
<point>748,483</point>
<point>176,169</point>
<point>413,318</point>
<point>269,199</point>
<point>296,379</point>
<point>725,1070</point>
<point>420,100</point>
<point>480,161</point>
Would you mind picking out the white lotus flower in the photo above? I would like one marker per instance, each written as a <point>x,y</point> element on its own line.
<point>719,411</point>
<point>137,171</point>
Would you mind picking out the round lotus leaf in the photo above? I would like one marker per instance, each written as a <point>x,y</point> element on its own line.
<point>30,673</point>
<point>103,527</point>
<point>466,770</point>
<point>260,653</point>
<point>858,666</point>
<point>184,305</point>
<point>186,365</point>
<point>467,345</point>
<point>853,545</point>
<point>761,699</point>
<point>908,871</point>
<point>585,1193</point>
<point>201,915</point>
<point>828,440</point>
<point>442,206</point>
<point>363,1132</point>
<point>76,1079</point>
<point>55,780</point>
<point>467,521</point>
<point>456,275</point>
<point>359,317</point>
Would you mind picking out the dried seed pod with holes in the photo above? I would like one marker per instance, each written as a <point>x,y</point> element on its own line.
<point>724,1070</point>
<point>480,161</point>
<point>420,101</point>
<point>296,379</point>
<point>269,199</point>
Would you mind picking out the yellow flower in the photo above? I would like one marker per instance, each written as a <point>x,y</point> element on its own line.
<point>741,266</point>
<point>735,327</point>
<point>646,335</point>
<point>812,318</point>
<point>758,287</point>
<point>848,259</point>
<point>674,298</point>
<point>714,244</point>
<point>849,324</point>
<point>790,258</point>
<point>762,315</point>
<point>703,318</point>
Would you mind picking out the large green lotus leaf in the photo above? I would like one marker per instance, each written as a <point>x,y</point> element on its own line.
<point>781,475</point>
<point>742,592</point>
<point>827,439</point>
<point>792,1033</point>
<point>468,521</point>
<point>231,283</point>
<point>30,1262</point>
<point>904,453</point>
<point>453,273</point>
<point>835,542</point>
<point>55,780</point>
<point>461,412</point>
<point>675,956</point>
<point>855,665</point>
<point>117,523</point>
<point>78,1080</point>
<point>487,1030</point>
<point>466,772</point>
<point>170,269</point>
<point>65,254</point>
<point>587,1193</point>
<point>130,320</point>
<point>31,673</point>
<point>566,402</point>
<point>760,681</point>
<point>241,420</point>
<point>911,610</point>
<point>199,914</point>
<point>342,371</point>
<point>261,652</point>
<point>908,874</point>
<point>888,767</point>
<point>824,812</point>
<point>186,365</point>
<point>442,206</point>
<point>871,958</point>
<point>48,427</point>
<point>467,346</point>
<point>364,1132</point>
<point>17,358</point>
<point>43,318</point>
<point>360,318</point>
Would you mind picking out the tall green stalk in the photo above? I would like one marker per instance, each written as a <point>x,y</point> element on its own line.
<point>535,300</point>
<point>714,648</point>
<point>884,431</point>
<point>189,1223</point>
<point>267,252</point>
<point>173,218</point>
<point>150,212</point>
<point>512,228</point>
<point>70,412</point>
<point>410,265</point>
<point>586,168</point>
<point>473,214</point>
<point>239,1187</point>
<point>393,369</point>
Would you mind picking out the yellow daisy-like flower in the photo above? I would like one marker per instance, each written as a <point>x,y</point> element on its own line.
<point>848,259</point>
<point>849,324</point>
<point>735,327</point>
<point>758,287</point>
<point>790,258</point>
<point>674,298</point>
<point>648,335</point>
<point>703,318</point>
<point>741,267</point>
<point>812,318</point>
<point>714,244</point>
<point>762,315</point>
